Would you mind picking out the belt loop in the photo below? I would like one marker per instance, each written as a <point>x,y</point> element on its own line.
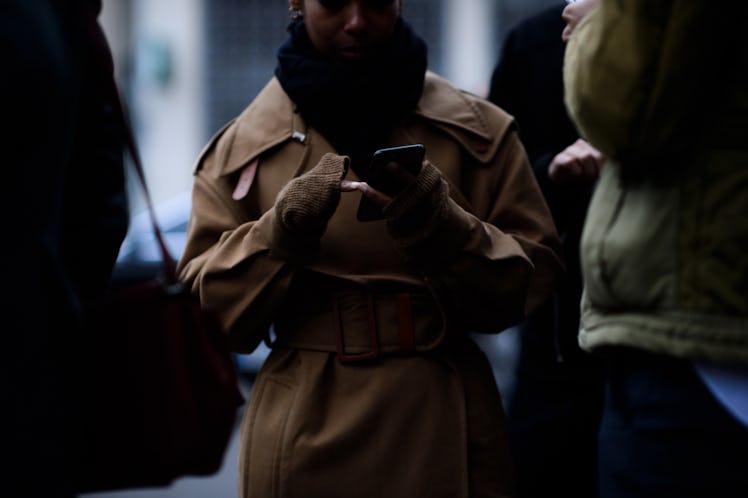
<point>404,311</point>
<point>373,352</point>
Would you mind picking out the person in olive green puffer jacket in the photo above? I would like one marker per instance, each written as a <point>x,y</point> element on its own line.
<point>661,88</point>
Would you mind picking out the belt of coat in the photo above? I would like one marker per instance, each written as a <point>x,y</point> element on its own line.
<point>362,325</point>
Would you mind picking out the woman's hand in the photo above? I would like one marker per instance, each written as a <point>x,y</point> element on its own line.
<point>402,176</point>
<point>379,198</point>
<point>306,203</point>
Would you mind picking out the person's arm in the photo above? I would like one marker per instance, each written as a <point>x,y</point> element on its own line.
<point>491,266</point>
<point>244,269</point>
<point>96,206</point>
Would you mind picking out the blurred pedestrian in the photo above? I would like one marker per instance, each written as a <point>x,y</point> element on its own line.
<point>373,386</point>
<point>661,88</point>
<point>554,411</point>
<point>64,216</point>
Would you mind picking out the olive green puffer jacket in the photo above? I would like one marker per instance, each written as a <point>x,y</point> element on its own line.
<point>662,89</point>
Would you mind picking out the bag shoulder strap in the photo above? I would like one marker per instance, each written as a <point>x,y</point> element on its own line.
<point>102,56</point>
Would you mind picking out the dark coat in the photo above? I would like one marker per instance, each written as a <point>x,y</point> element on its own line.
<point>528,84</point>
<point>64,216</point>
<point>557,398</point>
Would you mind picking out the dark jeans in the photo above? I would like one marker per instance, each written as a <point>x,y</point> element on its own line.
<point>554,414</point>
<point>664,435</point>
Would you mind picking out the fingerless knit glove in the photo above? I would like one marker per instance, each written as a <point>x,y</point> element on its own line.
<point>305,205</point>
<point>424,222</point>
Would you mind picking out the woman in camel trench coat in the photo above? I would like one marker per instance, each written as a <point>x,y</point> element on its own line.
<point>373,387</point>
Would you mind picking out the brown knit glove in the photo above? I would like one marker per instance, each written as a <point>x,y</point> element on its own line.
<point>424,222</point>
<point>305,205</point>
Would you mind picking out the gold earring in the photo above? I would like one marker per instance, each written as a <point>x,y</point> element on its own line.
<point>295,13</point>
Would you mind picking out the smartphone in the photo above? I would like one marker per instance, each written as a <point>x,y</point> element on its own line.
<point>409,157</point>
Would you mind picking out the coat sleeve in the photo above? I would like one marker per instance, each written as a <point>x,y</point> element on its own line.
<point>491,264</point>
<point>224,252</point>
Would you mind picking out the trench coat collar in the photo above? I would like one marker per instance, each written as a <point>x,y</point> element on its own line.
<point>271,120</point>
<point>476,124</point>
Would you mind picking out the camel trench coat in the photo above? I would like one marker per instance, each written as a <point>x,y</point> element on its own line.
<point>373,387</point>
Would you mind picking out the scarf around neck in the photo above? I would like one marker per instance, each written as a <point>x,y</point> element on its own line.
<point>354,105</point>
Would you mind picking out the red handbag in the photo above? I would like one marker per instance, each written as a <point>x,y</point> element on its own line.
<point>157,386</point>
<point>158,389</point>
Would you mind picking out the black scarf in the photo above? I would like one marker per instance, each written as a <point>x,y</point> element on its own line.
<point>354,105</point>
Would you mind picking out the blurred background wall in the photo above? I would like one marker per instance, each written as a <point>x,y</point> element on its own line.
<point>188,66</point>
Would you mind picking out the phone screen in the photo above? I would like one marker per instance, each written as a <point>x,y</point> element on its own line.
<point>409,157</point>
